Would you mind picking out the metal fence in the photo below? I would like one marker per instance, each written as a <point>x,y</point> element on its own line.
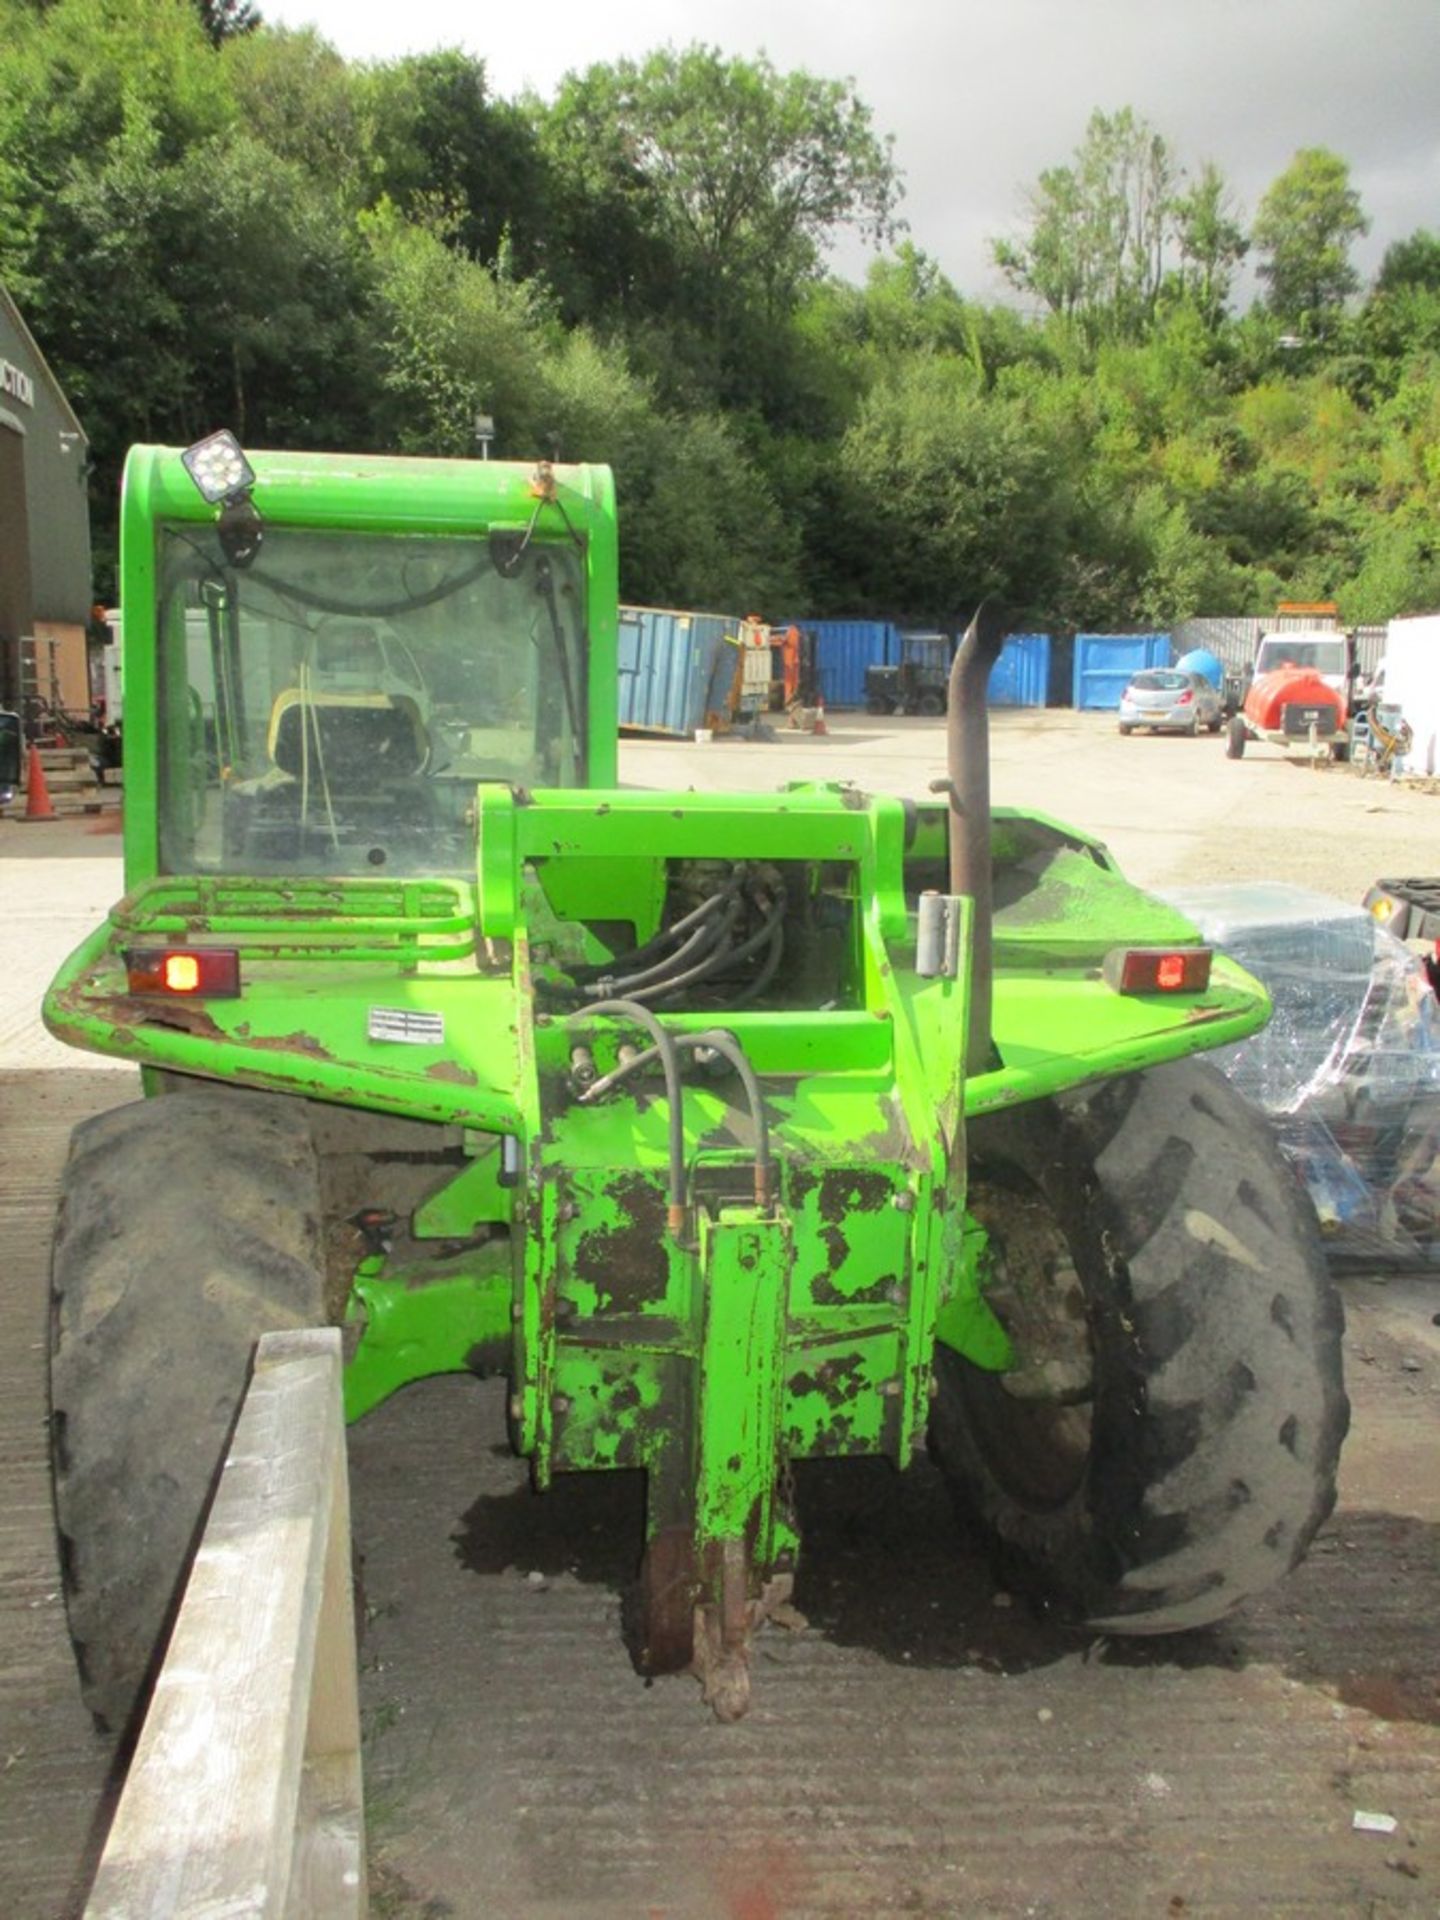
<point>1233,640</point>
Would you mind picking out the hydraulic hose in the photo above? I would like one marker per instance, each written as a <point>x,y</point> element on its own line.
<point>716,1040</point>
<point>637,1063</point>
<point>666,937</point>
<point>703,940</point>
<point>732,956</point>
<point>712,1040</point>
<point>664,1045</point>
<point>754,988</point>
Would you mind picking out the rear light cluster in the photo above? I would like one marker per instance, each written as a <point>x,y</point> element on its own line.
<point>1157,969</point>
<point>184,972</point>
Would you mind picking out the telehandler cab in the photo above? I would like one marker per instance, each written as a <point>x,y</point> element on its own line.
<point>733,1130</point>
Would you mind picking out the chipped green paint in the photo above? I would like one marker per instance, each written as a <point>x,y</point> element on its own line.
<point>740,1382</point>
<point>473,1201</point>
<point>411,1324</point>
<point>965,1321</point>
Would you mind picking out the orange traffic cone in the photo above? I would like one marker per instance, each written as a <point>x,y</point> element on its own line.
<point>37,794</point>
<point>820,726</point>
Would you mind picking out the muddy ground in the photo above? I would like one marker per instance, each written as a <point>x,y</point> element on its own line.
<point>927,1744</point>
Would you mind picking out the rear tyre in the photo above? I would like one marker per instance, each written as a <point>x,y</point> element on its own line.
<point>1168,1442</point>
<point>187,1229</point>
<point>1126,729</point>
<point>930,704</point>
<point>875,704</point>
<point>1235,739</point>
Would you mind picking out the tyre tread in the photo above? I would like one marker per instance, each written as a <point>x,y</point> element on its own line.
<point>1224,1331</point>
<point>186,1229</point>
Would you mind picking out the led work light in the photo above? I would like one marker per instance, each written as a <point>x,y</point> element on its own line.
<point>224,477</point>
<point>218,467</point>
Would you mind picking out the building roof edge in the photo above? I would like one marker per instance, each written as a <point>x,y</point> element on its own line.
<point>14,314</point>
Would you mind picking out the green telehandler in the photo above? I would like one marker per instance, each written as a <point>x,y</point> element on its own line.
<point>732,1130</point>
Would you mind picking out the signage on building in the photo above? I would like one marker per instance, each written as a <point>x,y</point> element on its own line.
<point>17,383</point>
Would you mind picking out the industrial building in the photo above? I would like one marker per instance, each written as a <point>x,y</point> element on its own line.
<point>44,530</point>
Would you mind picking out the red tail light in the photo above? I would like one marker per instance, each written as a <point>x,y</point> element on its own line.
<point>1185,698</point>
<point>1157,969</point>
<point>187,972</point>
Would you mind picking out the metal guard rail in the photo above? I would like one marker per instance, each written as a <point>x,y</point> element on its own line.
<point>304,919</point>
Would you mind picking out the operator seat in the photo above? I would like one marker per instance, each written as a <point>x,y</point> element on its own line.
<point>356,740</point>
<point>346,771</point>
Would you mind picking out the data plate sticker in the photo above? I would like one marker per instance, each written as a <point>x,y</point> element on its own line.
<point>401,1023</point>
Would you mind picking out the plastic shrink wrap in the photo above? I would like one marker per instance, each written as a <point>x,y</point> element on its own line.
<point>1348,1068</point>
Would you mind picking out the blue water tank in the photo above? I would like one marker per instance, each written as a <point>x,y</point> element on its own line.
<point>1201,660</point>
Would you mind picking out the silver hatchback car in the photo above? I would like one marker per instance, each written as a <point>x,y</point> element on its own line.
<point>1170,702</point>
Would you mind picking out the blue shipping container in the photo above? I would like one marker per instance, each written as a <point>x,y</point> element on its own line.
<point>1105,663</point>
<point>843,650</point>
<point>1021,676</point>
<point>672,668</point>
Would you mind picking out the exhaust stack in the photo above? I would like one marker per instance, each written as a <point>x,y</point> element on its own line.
<point>967,757</point>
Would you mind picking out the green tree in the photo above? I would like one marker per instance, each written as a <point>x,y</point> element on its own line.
<point>455,340</point>
<point>297,96</point>
<point>1399,572</point>
<point>732,171</point>
<point>1304,228</point>
<point>74,78</point>
<point>908,303</point>
<point>1411,264</point>
<point>702,527</point>
<point>227,19</point>
<point>239,304</point>
<point>1095,248</point>
<point>1211,241</point>
<point>438,141</point>
<point>178,273</point>
<point>947,495</point>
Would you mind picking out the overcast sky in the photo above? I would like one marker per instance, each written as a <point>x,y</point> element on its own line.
<point>980,95</point>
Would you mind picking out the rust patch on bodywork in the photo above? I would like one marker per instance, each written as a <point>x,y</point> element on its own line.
<point>126,1012</point>
<point>183,1018</point>
<point>626,1262</point>
<point>452,1071</point>
<point>835,1380</point>
<point>836,1438</point>
<point>624,1395</point>
<point>847,1190</point>
<point>304,1043</point>
<point>837,1248</point>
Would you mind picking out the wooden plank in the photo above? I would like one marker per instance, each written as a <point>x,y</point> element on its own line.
<point>329,1868</point>
<point>262,1660</point>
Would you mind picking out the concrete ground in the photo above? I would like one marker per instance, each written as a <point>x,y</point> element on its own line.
<point>925,1745</point>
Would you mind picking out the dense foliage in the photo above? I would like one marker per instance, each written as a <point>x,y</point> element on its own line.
<point>210,221</point>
